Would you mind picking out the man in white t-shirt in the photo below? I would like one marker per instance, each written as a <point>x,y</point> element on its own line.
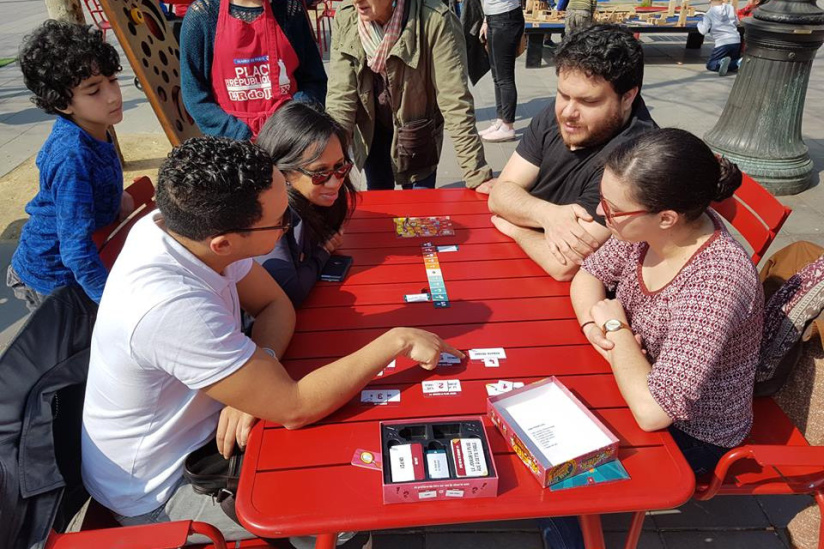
<point>170,369</point>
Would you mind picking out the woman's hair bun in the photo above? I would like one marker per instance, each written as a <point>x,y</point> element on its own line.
<point>729,179</point>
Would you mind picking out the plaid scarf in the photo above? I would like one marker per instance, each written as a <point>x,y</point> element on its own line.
<point>378,40</point>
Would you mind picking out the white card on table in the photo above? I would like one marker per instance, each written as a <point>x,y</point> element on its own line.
<point>480,354</point>
<point>416,298</point>
<point>380,397</point>
<point>491,362</point>
<point>446,359</point>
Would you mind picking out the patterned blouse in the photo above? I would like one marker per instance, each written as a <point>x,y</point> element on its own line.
<point>701,331</point>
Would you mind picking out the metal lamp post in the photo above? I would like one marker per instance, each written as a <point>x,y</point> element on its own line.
<point>760,128</point>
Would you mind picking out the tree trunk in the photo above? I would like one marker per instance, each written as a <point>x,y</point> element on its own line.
<point>66,10</point>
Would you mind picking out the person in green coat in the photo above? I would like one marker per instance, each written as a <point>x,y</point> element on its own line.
<point>397,79</point>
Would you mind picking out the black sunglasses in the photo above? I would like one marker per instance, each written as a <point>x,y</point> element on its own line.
<point>321,178</point>
<point>285,225</point>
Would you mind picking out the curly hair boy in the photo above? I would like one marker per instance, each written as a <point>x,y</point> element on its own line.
<point>72,72</point>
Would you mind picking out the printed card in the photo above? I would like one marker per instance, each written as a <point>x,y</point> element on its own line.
<point>480,354</point>
<point>468,456</point>
<point>380,397</point>
<point>367,459</point>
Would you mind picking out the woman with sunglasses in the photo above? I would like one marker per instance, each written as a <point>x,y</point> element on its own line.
<point>683,331</point>
<point>310,149</point>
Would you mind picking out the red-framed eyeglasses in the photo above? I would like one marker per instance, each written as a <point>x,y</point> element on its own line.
<point>321,178</point>
<point>610,215</point>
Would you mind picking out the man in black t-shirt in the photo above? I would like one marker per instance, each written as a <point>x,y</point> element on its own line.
<point>546,196</point>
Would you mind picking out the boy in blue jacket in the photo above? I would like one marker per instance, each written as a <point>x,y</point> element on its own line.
<point>72,72</point>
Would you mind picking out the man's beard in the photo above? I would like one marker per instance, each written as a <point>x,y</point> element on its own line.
<point>597,136</point>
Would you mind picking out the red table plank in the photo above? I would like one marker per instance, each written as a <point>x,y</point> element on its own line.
<point>334,295</point>
<point>469,270</point>
<point>424,314</point>
<point>398,255</point>
<point>520,363</point>
<point>421,210</point>
<point>596,391</point>
<point>389,240</point>
<point>386,224</point>
<point>465,336</point>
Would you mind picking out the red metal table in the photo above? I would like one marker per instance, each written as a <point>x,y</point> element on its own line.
<point>301,482</point>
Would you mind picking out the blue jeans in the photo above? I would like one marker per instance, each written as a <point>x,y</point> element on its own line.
<point>733,51</point>
<point>565,532</point>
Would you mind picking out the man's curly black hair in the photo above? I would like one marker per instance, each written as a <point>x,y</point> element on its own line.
<point>58,56</point>
<point>211,185</point>
<point>608,51</point>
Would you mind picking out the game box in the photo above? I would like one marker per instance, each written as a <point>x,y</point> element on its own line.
<point>553,433</point>
<point>436,459</point>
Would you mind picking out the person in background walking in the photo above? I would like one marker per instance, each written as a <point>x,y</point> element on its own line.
<point>502,29</point>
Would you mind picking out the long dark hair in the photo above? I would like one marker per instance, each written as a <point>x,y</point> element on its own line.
<point>295,128</point>
<point>671,169</point>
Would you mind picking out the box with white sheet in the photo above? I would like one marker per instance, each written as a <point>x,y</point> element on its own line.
<point>553,433</point>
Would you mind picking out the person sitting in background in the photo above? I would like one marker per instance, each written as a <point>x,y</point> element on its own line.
<point>240,60</point>
<point>310,149</point>
<point>546,196</point>
<point>397,79</point>
<point>683,331</point>
<point>72,72</point>
<point>721,24</point>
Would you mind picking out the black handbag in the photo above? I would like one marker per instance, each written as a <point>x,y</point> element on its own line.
<point>211,474</point>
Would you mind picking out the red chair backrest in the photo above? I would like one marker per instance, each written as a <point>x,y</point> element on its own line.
<point>110,239</point>
<point>98,16</point>
<point>755,213</point>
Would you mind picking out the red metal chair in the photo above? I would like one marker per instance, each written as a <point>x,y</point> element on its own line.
<point>776,459</point>
<point>98,16</point>
<point>756,214</point>
<point>110,239</point>
<point>324,13</point>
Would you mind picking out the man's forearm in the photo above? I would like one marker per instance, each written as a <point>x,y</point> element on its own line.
<point>274,326</point>
<point>532,241</point>
<point>516,205</point>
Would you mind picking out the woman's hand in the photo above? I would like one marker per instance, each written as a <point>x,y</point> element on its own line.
<point>608,309</point>
<point>482,33</point>
<point>424,347</point>
<point>334,242</point>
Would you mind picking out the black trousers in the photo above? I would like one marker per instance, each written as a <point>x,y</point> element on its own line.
<point>378,166</point>
<point>503,34</point>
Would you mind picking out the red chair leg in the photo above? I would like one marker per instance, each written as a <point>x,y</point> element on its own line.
<point>819,499</point>
<point>593,533</point>
<point>326,541</point>
<point>635,528</point>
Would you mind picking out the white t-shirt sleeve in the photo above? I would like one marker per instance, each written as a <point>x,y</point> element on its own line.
<point>194,338</point>
<point>238,270</point>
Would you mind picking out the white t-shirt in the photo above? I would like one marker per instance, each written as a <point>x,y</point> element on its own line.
<point>497,7</point>
<point>168,325</point>
<point>722,25</point>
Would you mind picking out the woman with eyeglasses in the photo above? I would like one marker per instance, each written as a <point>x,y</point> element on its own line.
<point>310,149</point>
<point>683,330</point>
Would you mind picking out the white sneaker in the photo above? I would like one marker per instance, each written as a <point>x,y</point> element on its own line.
<point>494,126</point>
<point>500,135</point>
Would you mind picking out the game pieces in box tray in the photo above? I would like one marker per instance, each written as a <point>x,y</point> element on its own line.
<point>416,227</point>
<point>553,433</point>
<point>447,458</point>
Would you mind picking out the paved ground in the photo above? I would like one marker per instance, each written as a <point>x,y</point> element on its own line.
<point>678,91</point>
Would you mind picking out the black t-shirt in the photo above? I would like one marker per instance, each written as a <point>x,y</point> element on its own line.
<point>566,176</point>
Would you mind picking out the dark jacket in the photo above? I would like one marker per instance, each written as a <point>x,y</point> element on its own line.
<point>43,374</point>
<point>477,59</point>
<point>296,262</point>
<point>197,43</point>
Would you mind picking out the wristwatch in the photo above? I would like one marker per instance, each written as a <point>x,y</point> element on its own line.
<point>613,325</point>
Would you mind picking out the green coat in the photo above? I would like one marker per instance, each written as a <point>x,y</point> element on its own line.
<point>426,73</point>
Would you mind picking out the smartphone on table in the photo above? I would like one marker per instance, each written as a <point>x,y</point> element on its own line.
<point>336,268</point>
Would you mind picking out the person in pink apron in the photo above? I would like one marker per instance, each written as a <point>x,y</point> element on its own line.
<point>242,59</point>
